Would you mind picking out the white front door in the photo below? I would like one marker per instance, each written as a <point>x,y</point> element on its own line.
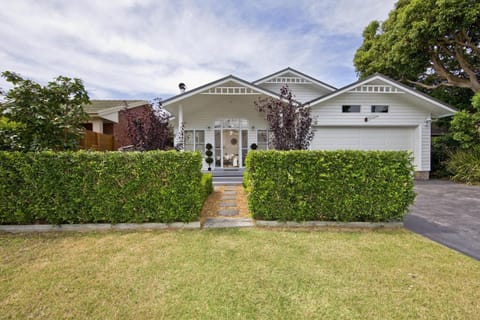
<point>231,143</point>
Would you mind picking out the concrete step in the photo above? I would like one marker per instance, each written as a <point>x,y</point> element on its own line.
<point>227,180</point>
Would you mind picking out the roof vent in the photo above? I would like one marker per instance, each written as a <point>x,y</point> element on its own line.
<point>182,87</point>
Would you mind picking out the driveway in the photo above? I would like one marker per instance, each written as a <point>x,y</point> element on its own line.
<point>448,213</point>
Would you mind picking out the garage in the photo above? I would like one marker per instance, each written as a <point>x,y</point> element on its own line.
<point>364,138</point>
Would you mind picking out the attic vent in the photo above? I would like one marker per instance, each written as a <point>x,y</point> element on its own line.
<point>288,80</point>
<point>376,88</point>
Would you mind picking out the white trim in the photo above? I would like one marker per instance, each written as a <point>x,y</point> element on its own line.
<point>288,70</point>
<point>296,80</point>
<point>392,83</point>
<point>230,91</point>
<point>217,84</point>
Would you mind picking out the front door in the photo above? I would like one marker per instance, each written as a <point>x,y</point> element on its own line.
<point>231,150</point>
<point>231,143</point>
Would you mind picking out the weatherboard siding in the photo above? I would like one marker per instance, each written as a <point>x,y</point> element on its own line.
<point>400,114</point>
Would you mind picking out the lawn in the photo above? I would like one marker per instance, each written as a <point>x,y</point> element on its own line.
<point>235,274</point>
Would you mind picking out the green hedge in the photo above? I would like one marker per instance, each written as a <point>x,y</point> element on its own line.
<point>113,187</point>
<point>207,183</point>
<point>329,185</point>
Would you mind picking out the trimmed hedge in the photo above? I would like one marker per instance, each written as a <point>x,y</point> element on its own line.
<point>374,186</point>
<point>91,187</point>
<point>207,184</point>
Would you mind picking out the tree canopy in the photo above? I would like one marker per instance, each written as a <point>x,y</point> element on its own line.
<point>150,130</point>
<point>46,117</point>
<point>427,43</point>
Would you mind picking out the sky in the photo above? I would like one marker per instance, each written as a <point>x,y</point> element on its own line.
<point>142,49</point>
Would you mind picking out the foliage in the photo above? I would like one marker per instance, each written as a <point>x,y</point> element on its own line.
<point>442,148</point>
<point>429,43</point>
<point>209,155</point>
<point>288,121</point>
<point>49,117</point>
<point>150,130</point>
<point>207,183</point>
<point>329,185</point>
<point>9,138</point>
<point>81,187</point>
<point>180,138</point>
<point>466,126</point>
<point>465,166</point>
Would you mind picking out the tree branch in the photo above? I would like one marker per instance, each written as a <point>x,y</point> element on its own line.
<point>443,73</point>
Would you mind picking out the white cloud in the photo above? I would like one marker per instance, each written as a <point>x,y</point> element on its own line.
<point>143,49</point>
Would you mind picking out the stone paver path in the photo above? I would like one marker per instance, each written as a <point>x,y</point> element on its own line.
<point>226,207</point>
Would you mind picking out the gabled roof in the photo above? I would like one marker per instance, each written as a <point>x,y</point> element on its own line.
<point>299,74</point>
<point>101,107</point>
<point>449,110</point>
<point>216,83</point>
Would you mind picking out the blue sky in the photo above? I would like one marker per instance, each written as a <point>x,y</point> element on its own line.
<point>128,49</point>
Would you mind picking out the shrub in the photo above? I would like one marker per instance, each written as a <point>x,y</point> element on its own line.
<point>329,185</point>
<point>442,148</point>
<point>114,187</point>
<point>465,166</point>
<point>207,183</point>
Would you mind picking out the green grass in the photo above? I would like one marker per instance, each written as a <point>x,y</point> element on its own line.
<point>235,274</point>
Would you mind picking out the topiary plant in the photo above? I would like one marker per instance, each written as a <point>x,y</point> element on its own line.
<point>209,154</point>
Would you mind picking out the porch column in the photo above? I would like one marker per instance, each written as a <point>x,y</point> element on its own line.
<point>180,116</point>
<point>179,136</point>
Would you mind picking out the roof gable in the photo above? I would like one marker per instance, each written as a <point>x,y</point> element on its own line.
<point>382,84</point>
<point>289,75</point>
<point>227,85</point>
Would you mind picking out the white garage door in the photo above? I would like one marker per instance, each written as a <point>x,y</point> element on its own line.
<point>351,138</point>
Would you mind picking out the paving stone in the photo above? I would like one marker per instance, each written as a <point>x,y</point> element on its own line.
<point>228,197</point>
<point>229,192</point>
<point>227,204</point>
<point>228,212</point>
<point>228,223</point>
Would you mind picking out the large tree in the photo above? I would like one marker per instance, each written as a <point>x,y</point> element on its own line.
<point>289,121</point>
<point>427,43</point>
<point>47,117</point>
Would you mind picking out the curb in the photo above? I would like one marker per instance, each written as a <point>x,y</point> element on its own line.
<point>96,227</point>
<point>328,224</point>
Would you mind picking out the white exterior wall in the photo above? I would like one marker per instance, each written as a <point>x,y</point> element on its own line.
<point>302,92</point>
<point>400,114</point>
<point>203,116</point>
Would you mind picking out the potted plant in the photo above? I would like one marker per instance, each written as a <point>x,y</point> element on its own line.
<point>209,154</point>
<point>253,146</point>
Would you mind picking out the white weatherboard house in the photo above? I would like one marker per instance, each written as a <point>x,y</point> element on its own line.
<point>376,113</point>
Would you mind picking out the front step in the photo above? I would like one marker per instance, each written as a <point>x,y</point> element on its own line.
<point>227,180</point>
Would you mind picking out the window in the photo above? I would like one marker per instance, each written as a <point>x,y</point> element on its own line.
<point>351,108</point>
<point>194,140</point>
<point>263,139</point>
<point>380,108</point>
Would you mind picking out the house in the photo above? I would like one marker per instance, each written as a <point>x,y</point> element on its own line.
<point>108,117</point>
<point>376,113</point>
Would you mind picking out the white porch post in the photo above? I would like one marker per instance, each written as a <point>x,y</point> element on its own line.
<point>180,116</point>
<point>179,136</point>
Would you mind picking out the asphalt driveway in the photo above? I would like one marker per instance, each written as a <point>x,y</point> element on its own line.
<point>448,213</point>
